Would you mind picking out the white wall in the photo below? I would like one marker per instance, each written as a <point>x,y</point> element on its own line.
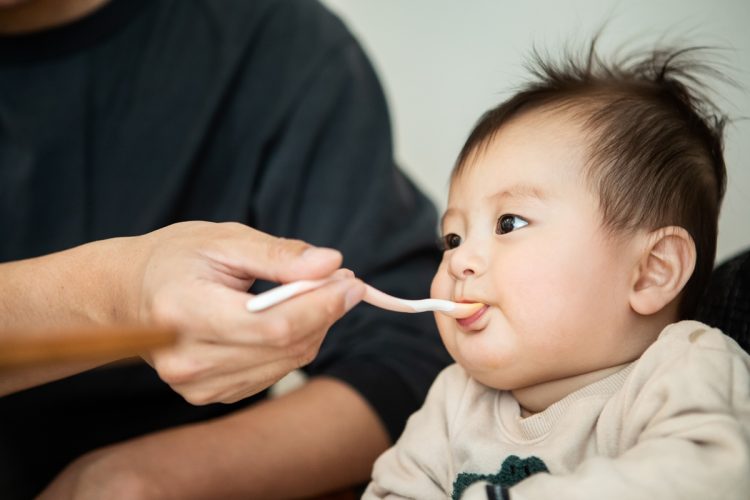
<point>443,62</point>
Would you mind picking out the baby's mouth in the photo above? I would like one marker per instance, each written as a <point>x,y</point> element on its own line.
<point>467,322</point>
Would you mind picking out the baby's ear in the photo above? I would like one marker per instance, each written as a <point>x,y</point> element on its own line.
<point>665,266</point>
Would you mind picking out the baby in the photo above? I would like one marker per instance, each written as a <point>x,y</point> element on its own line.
<point>583,213</point>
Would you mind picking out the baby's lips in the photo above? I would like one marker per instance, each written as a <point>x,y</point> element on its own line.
<point>471,323</point>
<point>466,309</point>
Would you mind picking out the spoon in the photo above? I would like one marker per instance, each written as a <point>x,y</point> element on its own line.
<point>372,296</point>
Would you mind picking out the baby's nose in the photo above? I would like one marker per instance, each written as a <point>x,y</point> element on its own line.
<point>466,262</point>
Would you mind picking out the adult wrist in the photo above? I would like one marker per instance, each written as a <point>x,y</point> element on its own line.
<point>112,271</point>
<point>129,259</point>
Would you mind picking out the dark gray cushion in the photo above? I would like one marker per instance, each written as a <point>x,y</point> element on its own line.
<point>726,302</point>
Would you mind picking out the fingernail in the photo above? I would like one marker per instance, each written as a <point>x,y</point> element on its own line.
<point>354,295</point>
<point>343,273</point>
<point>317,254</point>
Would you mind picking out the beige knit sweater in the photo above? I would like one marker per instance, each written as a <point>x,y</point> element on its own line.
<point>675,424</point>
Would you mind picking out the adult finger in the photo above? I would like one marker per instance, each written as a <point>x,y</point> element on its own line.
<point>235,386</point>
<point>280,260</point>
<point>282,325</point>
<point>311,313</point>
<point>218,314</point>
<point>208,373</point>
<point>197,364</point>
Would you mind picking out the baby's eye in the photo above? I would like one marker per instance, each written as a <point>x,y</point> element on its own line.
<point>451,241</point>
<point>509,222</point>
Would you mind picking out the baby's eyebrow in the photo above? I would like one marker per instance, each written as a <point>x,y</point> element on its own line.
<point>514,192</point>
<point>521,191</point>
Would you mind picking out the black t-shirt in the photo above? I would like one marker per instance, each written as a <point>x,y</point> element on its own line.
<point>147,113</point>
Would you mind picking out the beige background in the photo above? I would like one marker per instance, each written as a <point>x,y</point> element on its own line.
<point>443,62</point>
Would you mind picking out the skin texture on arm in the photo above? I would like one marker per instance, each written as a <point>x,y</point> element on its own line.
<point>65,288</point>
<point>270,450</point>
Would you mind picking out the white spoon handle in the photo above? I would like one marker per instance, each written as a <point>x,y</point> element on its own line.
<point>281,293</point>
<point>372,296</point>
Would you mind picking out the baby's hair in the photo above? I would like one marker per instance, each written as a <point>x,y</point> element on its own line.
<point>654,141</point>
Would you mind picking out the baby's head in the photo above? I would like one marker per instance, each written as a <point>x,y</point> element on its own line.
<point>583,211</point>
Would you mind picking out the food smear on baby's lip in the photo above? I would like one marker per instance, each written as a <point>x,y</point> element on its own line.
<point>467,309</point>
<point>472,323</point>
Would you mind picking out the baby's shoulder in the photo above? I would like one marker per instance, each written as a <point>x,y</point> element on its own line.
<point>690,357</point>
<point>693,338</point>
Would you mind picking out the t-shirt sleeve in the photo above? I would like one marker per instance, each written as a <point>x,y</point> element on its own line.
<point>330,179</point>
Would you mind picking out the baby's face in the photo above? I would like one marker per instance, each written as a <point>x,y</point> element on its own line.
<point>523,235</point>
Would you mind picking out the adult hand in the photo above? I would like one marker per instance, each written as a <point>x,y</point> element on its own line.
<point>194,276</point>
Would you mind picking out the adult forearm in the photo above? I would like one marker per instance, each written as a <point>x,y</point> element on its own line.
<point>84,285</point>
<point>49,295</point>
<point>321,438</point>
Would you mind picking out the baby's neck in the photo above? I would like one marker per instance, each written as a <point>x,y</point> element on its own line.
<point>537,398</point>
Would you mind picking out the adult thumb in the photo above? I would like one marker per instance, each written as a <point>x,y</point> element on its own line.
<point>282,260</point>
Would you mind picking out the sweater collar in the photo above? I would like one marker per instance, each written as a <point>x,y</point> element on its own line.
<point>540,424</point>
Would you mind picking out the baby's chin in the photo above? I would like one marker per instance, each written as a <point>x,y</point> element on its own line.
<point>494,382</point>
<point>493,378</point>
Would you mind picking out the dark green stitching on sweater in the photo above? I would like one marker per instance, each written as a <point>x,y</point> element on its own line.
<point>512,471</point>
